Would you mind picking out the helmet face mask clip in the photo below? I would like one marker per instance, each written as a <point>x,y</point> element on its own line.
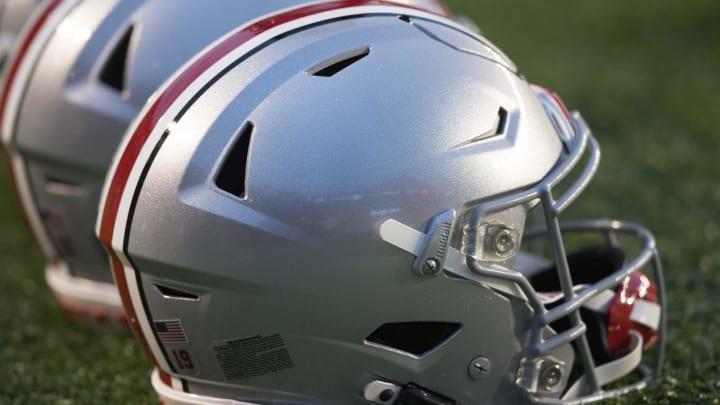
<point>533,375</point>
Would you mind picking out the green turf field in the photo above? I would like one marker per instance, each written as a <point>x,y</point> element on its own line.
<point>645,75</point>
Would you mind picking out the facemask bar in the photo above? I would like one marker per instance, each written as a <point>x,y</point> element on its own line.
<point>648,256</point>
<point>540,346</point>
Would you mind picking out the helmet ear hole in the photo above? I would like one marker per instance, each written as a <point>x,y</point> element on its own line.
<point>113,72</point>
<point>415,338</point>
<point>175,293</point>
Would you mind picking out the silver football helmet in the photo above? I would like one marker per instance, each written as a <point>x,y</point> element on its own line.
<point>355,202</point>
<point>84,70</point>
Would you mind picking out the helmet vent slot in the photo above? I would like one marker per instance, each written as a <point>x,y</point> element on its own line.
<point>415,338</point>
<point>334,65</point>
<point>113,72</point>
<point>232,176</point>
<point>175,294</point>
<point>501,121</point>
<point>63,187</point>
<point>498,128</point>
<point>405,18</point>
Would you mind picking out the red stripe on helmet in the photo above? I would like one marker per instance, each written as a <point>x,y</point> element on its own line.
<point>165,378</point>
<point>162,104</point>
<point>558,100</point>
<point>132,319</point>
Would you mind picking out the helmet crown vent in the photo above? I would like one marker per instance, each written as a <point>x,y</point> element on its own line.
<point>114,71</point>
<point>232,176</point>
<point>332,66</point>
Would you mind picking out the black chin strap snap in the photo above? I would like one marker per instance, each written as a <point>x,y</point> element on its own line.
<point>412,394</point>
<point>587,266</point>
<point>390,393</point>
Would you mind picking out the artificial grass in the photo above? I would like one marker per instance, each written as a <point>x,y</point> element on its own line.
<point>646,77</point>
<point>45,355</point>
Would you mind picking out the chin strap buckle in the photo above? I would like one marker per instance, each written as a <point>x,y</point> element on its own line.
<point>436,245</point>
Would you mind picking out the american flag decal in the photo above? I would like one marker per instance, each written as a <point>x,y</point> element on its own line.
<point>170,331</point>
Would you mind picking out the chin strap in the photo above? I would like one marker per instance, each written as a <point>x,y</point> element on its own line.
<point>611,371</point>
<point>645,314</point>
<point>633,312</point>
<point>630,315</point>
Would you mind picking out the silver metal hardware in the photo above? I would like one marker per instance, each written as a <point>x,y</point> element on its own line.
<point>479,367</point>
<point>550,375</point>
<point>431,259</point>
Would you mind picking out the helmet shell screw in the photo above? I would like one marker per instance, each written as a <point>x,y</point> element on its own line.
<point>430,266</point>
<point>479,367</point>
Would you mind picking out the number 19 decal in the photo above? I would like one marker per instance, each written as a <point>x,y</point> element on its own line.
<point>183,360</point>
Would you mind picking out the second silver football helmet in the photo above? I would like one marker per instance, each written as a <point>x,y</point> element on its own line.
<point>83,70</point>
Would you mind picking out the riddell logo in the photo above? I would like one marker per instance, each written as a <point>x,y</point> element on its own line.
<point>444,240</point>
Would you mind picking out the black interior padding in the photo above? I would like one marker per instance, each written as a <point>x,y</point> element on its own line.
<point>587,266</point>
